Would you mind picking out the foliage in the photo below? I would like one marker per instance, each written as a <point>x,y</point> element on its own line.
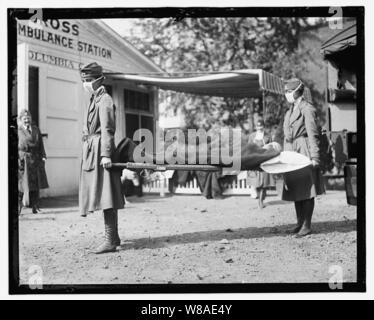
<point>192,45</point>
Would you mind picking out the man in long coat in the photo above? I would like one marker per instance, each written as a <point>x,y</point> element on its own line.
<point>31,157</point>
<point>301,134</point>
<point>100,187</point>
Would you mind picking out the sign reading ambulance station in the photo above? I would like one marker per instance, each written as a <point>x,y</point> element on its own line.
<point>63,34</point>
<point>60,42</point>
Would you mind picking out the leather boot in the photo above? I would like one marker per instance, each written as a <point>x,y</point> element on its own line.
<point>307,207</point>
<point>117,240</point>
<point>109,242</point>
<point>34,200</point>
<point>299,218</point>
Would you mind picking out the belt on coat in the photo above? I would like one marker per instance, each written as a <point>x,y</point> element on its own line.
<point>28,149</point>
<point>85,137</point>
<point>290,140</point>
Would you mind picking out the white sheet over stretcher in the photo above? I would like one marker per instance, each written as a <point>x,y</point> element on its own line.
<point>287,161</point>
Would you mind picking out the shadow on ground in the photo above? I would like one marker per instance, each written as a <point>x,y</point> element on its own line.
<point>276,202</point>
<point>242,233</point>
<point>58,202</point>
<point>67,204</point>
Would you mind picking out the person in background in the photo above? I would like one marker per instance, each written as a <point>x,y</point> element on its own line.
<point>31,159</point>
<point>326,159</point>
<point>99,185</point>
<point>301,134</point>
<point>262,180</point>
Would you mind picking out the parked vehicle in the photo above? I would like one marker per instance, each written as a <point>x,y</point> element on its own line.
<point>341,56</point>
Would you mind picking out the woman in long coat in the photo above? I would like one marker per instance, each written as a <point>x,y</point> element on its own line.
<point>262,180</point>
<point>31,158</point>
<point>100,186</point>
<point>301,134</point>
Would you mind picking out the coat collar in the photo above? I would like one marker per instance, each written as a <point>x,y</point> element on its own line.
<point>24,129</point>
<point>295,112</point>
<point>99,93</point>
<point>95,98</point>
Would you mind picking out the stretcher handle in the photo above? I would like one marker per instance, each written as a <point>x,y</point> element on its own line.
<point>164,167</point>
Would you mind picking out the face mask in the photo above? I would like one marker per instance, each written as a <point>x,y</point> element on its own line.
<point>88,86</point>
<point>290,96</point>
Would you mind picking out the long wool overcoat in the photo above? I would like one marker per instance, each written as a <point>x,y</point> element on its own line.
<point>31,170</point>
<point>99,188</point>
<point>301,134</point>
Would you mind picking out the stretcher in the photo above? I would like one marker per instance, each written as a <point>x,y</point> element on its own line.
<point>165,167</point>
<point>286,161</point>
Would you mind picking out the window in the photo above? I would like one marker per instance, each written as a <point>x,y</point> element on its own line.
<point>137,121</point>
<point>132,124</point>
<point>146,123</point>
<point>138,110</point>
<point>136,100</point>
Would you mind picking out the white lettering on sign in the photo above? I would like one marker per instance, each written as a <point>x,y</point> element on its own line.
<point>57,61</point>
<point>63,40</point>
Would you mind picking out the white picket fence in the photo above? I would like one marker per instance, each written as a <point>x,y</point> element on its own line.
<point>239,186</point>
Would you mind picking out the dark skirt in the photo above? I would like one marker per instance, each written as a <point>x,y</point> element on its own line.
<point>302,184</point>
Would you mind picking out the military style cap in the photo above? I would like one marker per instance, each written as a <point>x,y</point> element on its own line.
<point>292,84</point>
<point>91,70</point>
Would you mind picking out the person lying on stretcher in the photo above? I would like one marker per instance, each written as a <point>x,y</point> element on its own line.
<point>229,154</point>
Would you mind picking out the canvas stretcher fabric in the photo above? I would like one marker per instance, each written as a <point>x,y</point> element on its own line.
<point>250,156</point>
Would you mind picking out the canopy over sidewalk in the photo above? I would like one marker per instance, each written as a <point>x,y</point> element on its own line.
<point>249,83</point>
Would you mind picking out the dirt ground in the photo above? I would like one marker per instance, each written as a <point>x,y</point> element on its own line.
<point>189,239</point>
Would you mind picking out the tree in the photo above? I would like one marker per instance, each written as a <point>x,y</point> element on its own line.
<point>193,45</point>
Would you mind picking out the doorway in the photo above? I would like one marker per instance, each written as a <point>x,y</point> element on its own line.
<point>33,106</point>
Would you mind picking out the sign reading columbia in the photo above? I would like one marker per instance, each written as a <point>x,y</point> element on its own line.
<point>57,61</point>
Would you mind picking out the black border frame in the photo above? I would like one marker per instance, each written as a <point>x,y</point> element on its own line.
<point>180,13</point>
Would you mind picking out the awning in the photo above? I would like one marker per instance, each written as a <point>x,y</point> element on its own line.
<point>341,41</point>
<point>341,95</point>
<point>250,83</point>
<point>236,84</point>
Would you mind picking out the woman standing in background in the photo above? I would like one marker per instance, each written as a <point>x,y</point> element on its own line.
<point>262,180</point>
<point>31,158</point>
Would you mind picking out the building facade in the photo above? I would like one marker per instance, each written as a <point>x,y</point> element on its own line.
<point>49,55</point>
